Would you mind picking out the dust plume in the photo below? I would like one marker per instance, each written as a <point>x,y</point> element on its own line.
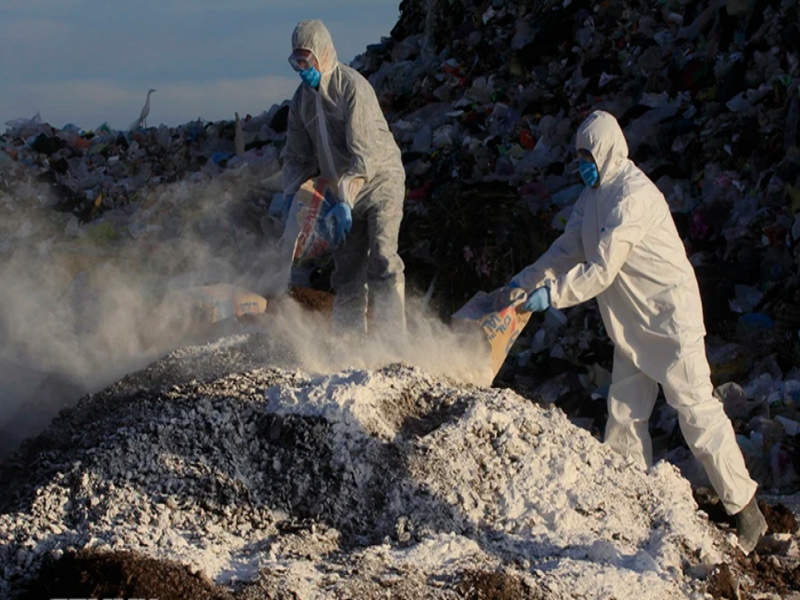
<point>81,305</point>
<point>302,339</point>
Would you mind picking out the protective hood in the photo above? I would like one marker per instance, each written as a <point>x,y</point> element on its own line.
<point>314,36</point>
<point>601,135</point>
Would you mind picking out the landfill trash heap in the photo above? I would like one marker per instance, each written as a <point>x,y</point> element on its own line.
<point>91,172</point>
<point>485,98</point>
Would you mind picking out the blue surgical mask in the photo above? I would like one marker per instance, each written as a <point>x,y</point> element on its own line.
<point>311,77</point>
<point>589,173</point>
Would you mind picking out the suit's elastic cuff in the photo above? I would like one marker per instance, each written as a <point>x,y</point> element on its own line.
<point>550,285</point>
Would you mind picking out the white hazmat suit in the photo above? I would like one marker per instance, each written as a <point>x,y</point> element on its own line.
<point>339,132</point>
<point>621,247</point>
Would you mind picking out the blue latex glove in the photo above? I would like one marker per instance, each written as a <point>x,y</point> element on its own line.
<point>340,221</point>
<point>538,300</point>
<point>286,208</point>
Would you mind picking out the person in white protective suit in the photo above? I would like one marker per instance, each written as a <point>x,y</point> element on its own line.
<point>621,247</point>
<point>337,130</point>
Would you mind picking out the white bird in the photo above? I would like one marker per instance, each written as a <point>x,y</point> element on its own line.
<point>142,120</point>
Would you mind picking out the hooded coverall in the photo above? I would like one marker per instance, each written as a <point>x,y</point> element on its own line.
<point>621,247</point>
<point>340,133</point>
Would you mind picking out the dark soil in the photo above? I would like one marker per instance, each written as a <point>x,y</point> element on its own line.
<point>756,574</point>
<point>90,574</point>
<point>314,300</point>
<point>723,583</point>
<point>771,575</point>
<point>708,501</point>
<point>495,585</point>
<point>779,518</point>
<point>753,576</point>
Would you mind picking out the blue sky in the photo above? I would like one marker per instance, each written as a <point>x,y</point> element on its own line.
<point>90,61</point>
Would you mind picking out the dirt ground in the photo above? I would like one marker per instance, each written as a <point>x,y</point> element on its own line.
<point>89,574</point>
<point>106,575</point>
<point>482,585</point>
<point>771,569</point>
<point>751,577</point>
<point>779,518</point>
<point>103,575</point>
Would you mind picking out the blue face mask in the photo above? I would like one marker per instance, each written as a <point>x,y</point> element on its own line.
<point>311,77</point>
<point>589,173</point>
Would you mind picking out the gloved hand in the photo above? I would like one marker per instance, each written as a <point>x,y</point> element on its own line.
<point>340,220</point>
<point>286,208</point>
<point>538,300</point>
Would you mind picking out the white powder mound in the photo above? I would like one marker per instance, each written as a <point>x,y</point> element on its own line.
<point>532,487</point>
<point>356,484</point>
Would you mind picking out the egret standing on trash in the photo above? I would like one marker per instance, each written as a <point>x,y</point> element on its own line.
<point>337,130</point>
<point>621,247</point>
<point>142,120</point>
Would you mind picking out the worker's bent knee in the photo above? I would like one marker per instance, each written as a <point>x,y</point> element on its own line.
<point>385,267</point>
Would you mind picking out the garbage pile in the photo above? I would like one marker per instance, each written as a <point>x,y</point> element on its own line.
<point>157,202</point>
<point>485,98</point>
<point>361,484</point>
<point>88,173</point>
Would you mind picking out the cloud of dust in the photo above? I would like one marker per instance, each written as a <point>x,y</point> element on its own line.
<point>81,306</point>
<point>306,340</point>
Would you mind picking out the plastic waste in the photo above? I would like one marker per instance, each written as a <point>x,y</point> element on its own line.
<point>754,324</point>
<point>735,401</point>
<point>747,298</point>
